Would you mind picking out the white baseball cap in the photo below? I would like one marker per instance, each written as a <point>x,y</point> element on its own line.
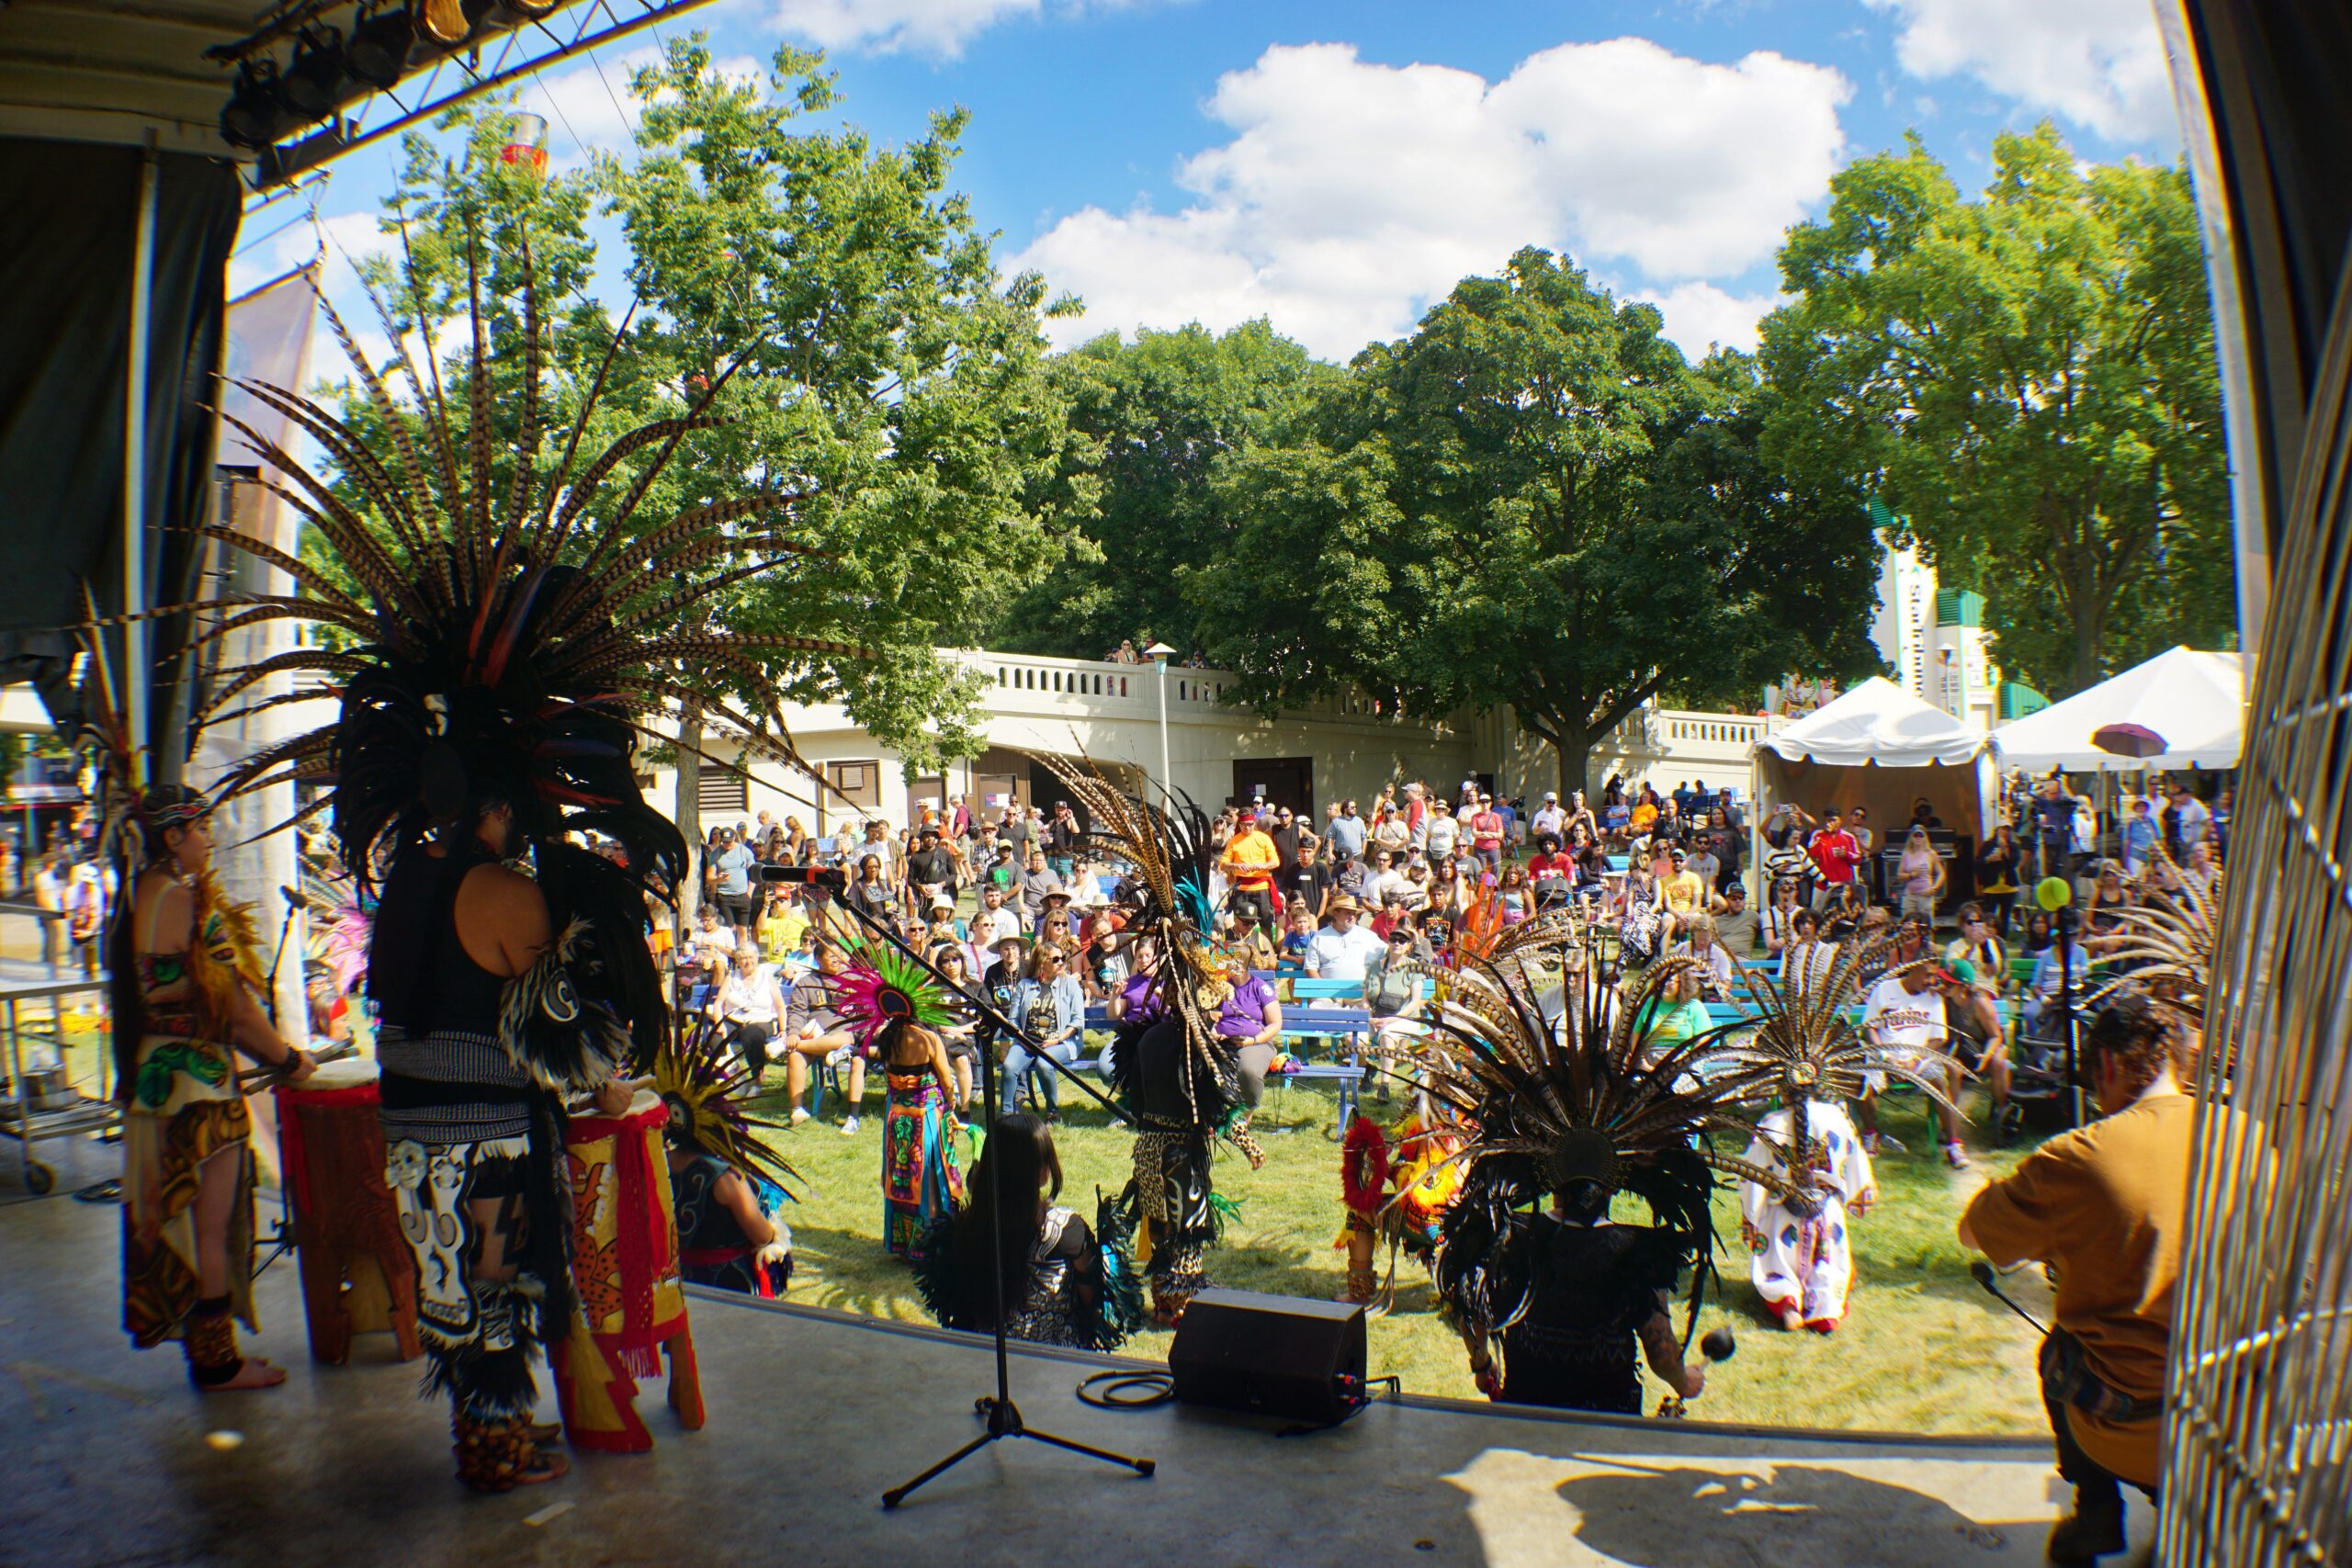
<point>1551,794</point>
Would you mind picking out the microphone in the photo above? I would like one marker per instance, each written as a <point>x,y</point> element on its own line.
<point>1983,1274</point>
<point>829,876</point>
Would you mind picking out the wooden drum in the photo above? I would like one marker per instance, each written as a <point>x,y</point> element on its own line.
<point>632,1303</point>
<point>357,1272</point>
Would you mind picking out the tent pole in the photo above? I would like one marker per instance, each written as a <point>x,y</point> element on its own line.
<point>137,677</point>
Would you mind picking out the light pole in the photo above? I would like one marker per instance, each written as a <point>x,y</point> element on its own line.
<point>1159,652</point>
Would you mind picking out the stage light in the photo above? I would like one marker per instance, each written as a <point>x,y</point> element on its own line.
<point>381,38</point>
<point>255,113</point>
<point>311,84</point>
<point>445,22</point>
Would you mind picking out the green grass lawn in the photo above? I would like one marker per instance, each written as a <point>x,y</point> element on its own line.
<point>1922,1348</point>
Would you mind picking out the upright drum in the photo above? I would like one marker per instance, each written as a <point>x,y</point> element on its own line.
<point>357,1272</point>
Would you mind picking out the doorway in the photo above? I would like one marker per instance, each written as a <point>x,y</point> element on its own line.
<point>1278,781</point>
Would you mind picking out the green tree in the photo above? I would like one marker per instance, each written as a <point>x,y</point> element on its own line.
<point>1154,417</point>
<point>881,368</point>
<point>1534,500</point>
<point>2030,377</point>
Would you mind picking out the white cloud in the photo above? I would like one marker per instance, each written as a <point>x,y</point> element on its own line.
<point>1352,195</point>
<point>1700,316</point>
<point>2099,63</point>
<point>931,27</point>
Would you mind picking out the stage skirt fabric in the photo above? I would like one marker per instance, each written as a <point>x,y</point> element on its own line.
<point>183,1110</point>
<point>921,1178</point>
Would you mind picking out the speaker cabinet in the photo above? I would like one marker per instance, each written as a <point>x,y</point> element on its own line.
<point>1280,1356</point>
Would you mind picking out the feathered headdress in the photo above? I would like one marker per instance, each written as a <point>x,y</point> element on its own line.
<point>503,630</point>
<point>1803,1044</point>
<point>2164,948</point>
<point>882,989</point>
<point>1168,847</point>
<point>1560,1086</point>
<point>705,1084</point>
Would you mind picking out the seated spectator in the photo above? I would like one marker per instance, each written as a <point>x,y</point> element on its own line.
<point>1344,951</point>
<point>1701,945</point>
<point>1049,1009</point>
<point>995,922</point>
<point>1551,872</point>
<point>813,1031</point>
<point>1302,930</point>
<point>1246,941</point>
<point>1977,945</point>
<point>749,1004</point>
<point>1385,879</point>
<point>1736,927</point>
<point>960,1032</point>
<point>1684,891</point>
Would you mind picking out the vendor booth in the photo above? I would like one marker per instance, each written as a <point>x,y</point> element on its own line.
<point>2195,701</point>
<point>1880,747</point>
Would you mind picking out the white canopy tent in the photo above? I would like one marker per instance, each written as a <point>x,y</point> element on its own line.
<point>2196,701</point>
<point>1878,746</point>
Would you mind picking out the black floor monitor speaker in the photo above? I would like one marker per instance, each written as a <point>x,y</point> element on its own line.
<point>1282,1355</point>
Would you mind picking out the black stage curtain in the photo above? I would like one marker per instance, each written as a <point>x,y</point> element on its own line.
<point>64,331</point>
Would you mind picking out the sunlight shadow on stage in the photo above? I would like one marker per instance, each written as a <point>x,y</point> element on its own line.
<point>1664,1511</point>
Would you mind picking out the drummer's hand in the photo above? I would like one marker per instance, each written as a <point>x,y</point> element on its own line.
<point>1694,1379</point>
<point>612,1097</point>
<point>775,1252</point>
<point>297,1068</point>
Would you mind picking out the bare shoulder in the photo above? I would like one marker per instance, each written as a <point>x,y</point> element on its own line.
<point>167,910</point>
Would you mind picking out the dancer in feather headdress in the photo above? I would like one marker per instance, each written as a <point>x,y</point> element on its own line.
<point>1184,1085</point>
<point>894,1010</point>
<point>2162,948</point>
<point>1568,1107</point>
<point>1806,1050</point>
<point>726,1185</point>
<point>187,986</point>
<point>508,642</point>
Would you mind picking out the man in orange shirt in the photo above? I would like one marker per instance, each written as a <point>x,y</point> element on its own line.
<point>2106,1206</point>
<point>1250,862</point>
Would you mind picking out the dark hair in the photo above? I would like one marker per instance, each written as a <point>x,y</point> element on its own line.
<point>1018,1165</point>
<point>2140,1035</point>
<point>127,1002</point>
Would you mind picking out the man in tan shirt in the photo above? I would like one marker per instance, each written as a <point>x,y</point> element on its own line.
<point>2106,1207</point>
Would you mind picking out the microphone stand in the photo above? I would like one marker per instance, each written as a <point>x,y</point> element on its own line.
<point>1003,1417</point>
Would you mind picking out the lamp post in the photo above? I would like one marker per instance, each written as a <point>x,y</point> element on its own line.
<point>1159,652</point>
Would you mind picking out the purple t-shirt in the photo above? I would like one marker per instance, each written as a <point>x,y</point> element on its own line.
<point>1139,998</point>
<point>1244,1013</point>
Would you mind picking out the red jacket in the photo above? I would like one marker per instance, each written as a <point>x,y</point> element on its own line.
<point>1837,854</point>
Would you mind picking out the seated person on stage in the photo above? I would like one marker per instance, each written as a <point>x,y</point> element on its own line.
<point>1064,1283</point>
<point>724,1183</point>
<point>2106,1207</point>
<point>1601,1290</point>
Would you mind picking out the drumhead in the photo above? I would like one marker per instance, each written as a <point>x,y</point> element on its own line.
<point>351,1072</point>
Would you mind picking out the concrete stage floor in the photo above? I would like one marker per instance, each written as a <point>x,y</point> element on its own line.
<point>814,1414</point>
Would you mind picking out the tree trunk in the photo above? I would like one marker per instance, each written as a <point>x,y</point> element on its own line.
<point>686,810</point>
<point>2089,630</point>
<point>1574,748</point>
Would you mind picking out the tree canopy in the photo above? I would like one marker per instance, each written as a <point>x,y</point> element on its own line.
<point>1534,500</point>
<point>870,360</point>
<point>2029,379</point>
<point>1154,416</point>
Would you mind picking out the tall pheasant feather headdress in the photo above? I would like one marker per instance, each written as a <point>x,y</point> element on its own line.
<point>1168,847</point>
<point>1562,1087</point>
<point>1804,1045</point>
<point>507,640</point>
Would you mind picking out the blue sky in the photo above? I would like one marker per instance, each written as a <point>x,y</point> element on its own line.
<point>1336,167</point>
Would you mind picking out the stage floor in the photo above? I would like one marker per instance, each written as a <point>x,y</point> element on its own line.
<point>813,1414</point>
